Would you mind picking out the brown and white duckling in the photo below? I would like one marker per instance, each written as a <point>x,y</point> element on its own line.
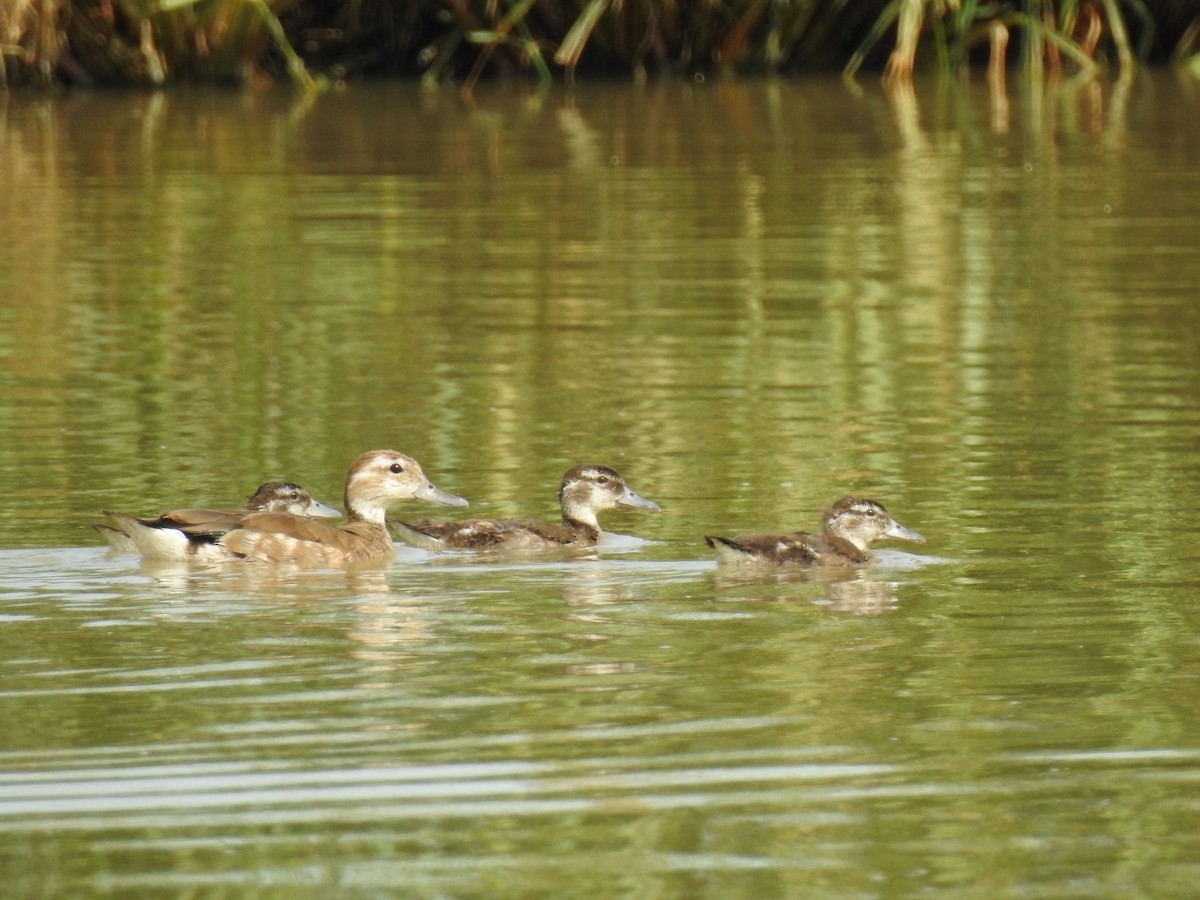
<point>849,527</point>
<point>376,480</point>
<point>585,491</point>
<point>183,530</point>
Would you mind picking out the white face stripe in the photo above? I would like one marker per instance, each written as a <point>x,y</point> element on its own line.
<point>594,472</point>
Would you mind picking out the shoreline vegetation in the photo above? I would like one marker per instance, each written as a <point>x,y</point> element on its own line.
<point>153,43</point>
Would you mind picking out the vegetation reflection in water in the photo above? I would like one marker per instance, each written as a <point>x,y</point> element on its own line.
<point>498,378</point>
<point>749,299</point>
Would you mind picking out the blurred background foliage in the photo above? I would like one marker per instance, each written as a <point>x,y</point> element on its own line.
<point>154,42</point>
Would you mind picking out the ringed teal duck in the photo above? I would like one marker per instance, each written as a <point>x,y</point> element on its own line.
<point>181,533</point>
<point>585,491</point>
<point>849,527</point>
<point>376,480</point>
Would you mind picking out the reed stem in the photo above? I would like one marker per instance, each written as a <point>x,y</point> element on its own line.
<point>155,42</point>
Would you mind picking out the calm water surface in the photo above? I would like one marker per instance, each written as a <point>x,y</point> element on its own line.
<point>980,308</point>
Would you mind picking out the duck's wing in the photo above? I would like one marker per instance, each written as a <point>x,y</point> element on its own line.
<point>771,549</point>
<point>437,534</point>
<point>283,537</point>
<point>484,534</point>
<point>553,533</point>
<point>199,521</point>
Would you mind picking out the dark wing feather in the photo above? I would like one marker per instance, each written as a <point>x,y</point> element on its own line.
<point>199,521</point>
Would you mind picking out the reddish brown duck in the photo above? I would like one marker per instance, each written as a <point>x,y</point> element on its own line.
<point>376,480</point>
<point>187,531</point>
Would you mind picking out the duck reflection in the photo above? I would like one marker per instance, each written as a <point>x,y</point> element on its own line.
<point>850,591</point>
<point>591,587</point>
<point>293,582</point>
<point>388,629</point>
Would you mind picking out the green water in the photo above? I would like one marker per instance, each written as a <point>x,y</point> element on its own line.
<point>749,297</point>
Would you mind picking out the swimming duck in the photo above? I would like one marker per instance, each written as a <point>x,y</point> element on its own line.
<point>376,480</point>
<point>849,527</point>
<point>273,496</point>
<point>585,491</point>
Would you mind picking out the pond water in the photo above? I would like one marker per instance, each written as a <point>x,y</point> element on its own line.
<point>976,305</point>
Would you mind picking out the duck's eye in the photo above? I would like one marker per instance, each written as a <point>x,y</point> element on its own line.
<point>295,495</point>
<point>603,479</point>
<point>869,513</point>
<point>395,468</point>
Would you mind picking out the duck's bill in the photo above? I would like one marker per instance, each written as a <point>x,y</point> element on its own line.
<point>428,492</point>
<point>900,533</point>
<point>629,498</point>
<point>320,511</point>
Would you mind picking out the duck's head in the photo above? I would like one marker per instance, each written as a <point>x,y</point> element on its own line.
<point>862,522</point>
<point>286,497</point>
<point>380,478</point>
<point>588,489</point>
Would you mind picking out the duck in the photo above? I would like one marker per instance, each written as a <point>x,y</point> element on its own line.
<point>271,496</point>
<point>376,480</point>
<point>848,528</point>
<point>586,490</point>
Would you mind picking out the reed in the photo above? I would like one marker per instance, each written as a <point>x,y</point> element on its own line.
<point>156,41</point>
<point>144,42</point>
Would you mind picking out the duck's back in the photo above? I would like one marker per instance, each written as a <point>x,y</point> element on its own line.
<point>799,547</point>
<point>483,534</point>
<point>280,537</point>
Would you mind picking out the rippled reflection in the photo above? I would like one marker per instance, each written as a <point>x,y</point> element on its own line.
<point>974,301</point>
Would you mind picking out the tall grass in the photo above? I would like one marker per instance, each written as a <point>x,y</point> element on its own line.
<point>146,42</point>
<point>156,41</point>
